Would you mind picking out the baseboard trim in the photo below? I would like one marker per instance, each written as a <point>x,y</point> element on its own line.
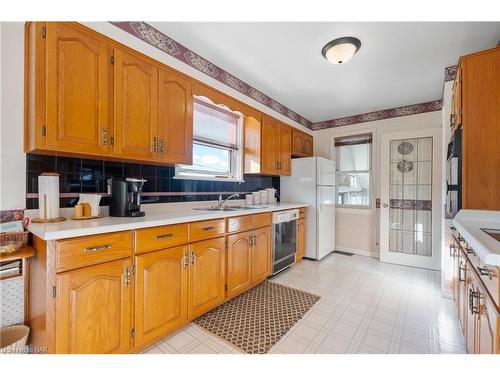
<point>364,253</point>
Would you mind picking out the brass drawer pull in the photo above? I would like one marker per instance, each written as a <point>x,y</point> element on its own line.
<point>163,236</point>
<point>208,228</point>
<point>483,271</point>
<point>97,248</point>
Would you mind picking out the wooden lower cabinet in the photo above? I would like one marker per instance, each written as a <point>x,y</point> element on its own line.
<point>478,315</point>
<point>261,255</point>
<point>301,239</point>
<point>160,293</point>
<point>206,276</point>
<point>239,262</point>
<point>93,309</point>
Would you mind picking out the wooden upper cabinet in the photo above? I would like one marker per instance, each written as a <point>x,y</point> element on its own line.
<point>285,150</point>
<point>160,294</point>
<point>135,106</point>
<point>302,143</point>
<point>252,145</point>
<point>94,309</point>
<point>276,147</point>
<point>206,276</point>
<point>239,276</point>
<point>480,100</point>
<point>175,118</point>
<point>77,91</point>
<point>269,146</point>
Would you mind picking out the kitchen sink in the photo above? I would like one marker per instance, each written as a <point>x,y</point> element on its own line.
<point>229,208</point>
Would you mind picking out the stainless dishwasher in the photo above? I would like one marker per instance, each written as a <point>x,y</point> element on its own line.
<point>284,239</point>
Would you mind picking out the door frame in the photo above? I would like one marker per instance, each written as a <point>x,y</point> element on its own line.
<point>411,260</point>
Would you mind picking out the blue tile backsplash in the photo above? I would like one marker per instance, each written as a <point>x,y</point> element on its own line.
<point>78,175</point>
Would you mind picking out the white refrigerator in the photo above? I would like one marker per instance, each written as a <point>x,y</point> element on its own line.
<point>313,182</point>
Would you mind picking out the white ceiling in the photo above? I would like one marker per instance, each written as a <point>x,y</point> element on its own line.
<point>398,63</point>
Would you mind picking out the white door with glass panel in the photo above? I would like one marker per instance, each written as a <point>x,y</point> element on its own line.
<point>410,192</point>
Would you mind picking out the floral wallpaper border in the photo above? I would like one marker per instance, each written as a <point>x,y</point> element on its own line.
<point>379,115</point>
<point>156,38</point>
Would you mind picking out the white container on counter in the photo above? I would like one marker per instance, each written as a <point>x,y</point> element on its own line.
<point>271,195</point>
<point>256,197</point>
<point>263,196</point>
<point>249,199</point>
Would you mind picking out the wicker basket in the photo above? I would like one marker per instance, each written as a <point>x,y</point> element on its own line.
<point>13,339</point>
<point>11,242</point>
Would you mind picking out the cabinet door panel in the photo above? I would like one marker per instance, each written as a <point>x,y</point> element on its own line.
<point>93,309</point>
<point>161,294</point>
<point>175,118</point>
<point>285,150</point>
<point>239,275</point>
<point>206,276</point>
<point>297,143</point>
<point>261,255</point>
<point>308,145</point>
<point>135,106</point>
<point>487,327</point>
<point>252,150</point>
<point>78,91</point>
<point>301,238</point>
<point>269,147</point>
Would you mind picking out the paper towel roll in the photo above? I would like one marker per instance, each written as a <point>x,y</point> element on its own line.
<point>48,195</point>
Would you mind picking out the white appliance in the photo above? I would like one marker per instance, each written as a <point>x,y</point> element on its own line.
<point>313,182</point>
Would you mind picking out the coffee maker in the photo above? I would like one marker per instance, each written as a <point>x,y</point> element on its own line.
<point>125,197</point>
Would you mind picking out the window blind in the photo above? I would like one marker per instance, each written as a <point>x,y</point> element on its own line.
<point>214,125</point>
<point>350,140</point>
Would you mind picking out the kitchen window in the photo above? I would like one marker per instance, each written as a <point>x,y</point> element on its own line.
<point>354,174</point>
<point>217,139</point>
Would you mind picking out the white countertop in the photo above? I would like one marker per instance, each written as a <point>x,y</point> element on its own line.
<point>469,223</point>
<point>156,215</point>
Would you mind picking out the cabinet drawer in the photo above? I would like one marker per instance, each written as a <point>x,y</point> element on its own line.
<point>302,213</point>
<point>157,238</point>
<point>261,220</point>
<point>238,224</point>
<point>206,229</point>
<point>89,250</point>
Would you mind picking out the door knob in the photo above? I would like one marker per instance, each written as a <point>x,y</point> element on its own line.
<point>385,205</point>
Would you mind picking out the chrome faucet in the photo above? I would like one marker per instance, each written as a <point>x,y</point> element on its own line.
<point>222,201</point>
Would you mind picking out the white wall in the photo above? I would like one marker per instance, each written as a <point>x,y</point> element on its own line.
<point>364,238</point>
<point>12,159</point>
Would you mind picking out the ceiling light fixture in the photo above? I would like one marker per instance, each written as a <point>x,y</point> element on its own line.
<point>340,50</point>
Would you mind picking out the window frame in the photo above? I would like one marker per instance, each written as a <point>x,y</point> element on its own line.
<point>183,172</point>
<point>370,204</point>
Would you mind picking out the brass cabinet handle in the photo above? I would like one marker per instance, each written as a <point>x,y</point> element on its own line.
<point>104,136</point>
<point>162,146</point>
<point>127,277</point>
<point>193,258</point>
<point>164,235</point>
<point>208,228</point>
<point>460,270</point>
<point>473,297</point>
<point>483,271</point>
<point>97,248</point>
<point>453,250</point>
<point>185,260</point>
<point>155,144</point>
